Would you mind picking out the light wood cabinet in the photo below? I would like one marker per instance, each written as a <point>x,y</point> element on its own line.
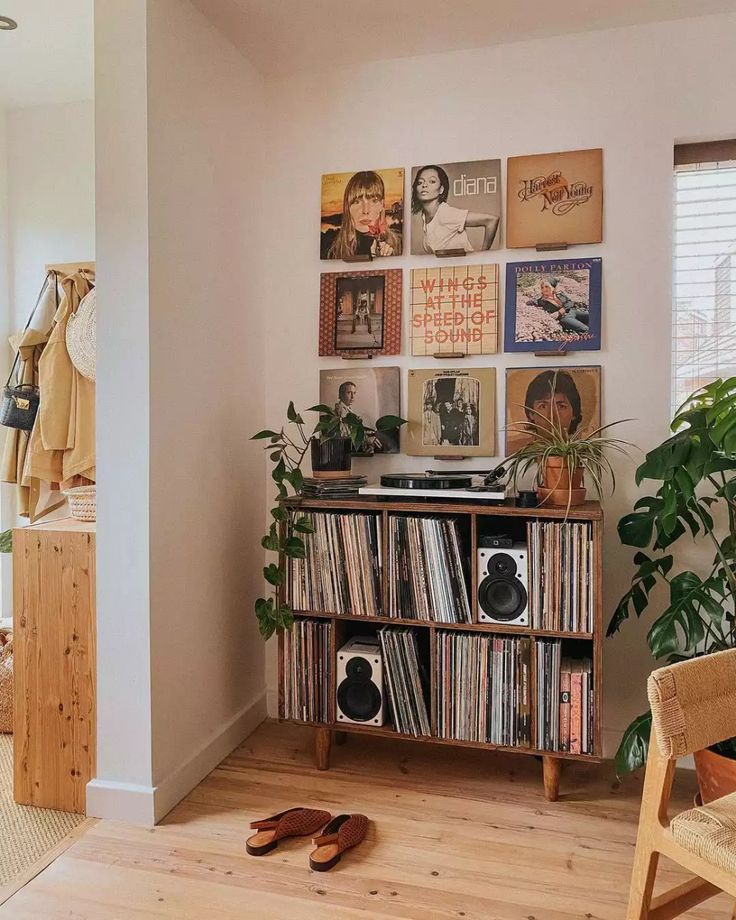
<point>54,663</point>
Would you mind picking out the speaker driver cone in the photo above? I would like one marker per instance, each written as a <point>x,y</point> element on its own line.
<point>502,598</point>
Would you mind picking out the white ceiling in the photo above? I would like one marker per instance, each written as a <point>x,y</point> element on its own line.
<point>48,59</point>
<point>286,36</point>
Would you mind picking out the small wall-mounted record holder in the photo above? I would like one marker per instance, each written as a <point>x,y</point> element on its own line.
<point>453,457</point>
<point>551,247</point>
<point>360,356</point>
<point>443,355</point>
<point>450,253</point>
<point>557,353</point>
<point>359,257</point>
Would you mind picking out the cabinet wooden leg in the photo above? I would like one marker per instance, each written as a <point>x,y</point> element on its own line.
<point>322,742</point>
<point>340,737</point>
<point>551,769</point>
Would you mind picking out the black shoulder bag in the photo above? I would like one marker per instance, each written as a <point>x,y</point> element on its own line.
<point>19,405</point>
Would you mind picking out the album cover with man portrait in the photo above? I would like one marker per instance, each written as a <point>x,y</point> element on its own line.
<point>554,198</point>
<point>368,392</point>
<point>456,206</point>
<point>554,305</point>
<point>362,214</point>
<point>360,312</point>
<point>452,412</point>
<point>570,397</point>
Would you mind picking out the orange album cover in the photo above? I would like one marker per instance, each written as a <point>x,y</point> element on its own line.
<point>362,214</point>
<point>555,198</point>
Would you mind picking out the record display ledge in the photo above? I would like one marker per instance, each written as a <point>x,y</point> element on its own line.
<point>476,515</point>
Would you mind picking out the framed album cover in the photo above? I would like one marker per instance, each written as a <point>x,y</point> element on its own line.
<point>554,198</point>
<point>572,397</point>
<point>553,305</point>
<point>362,214</point>
<point>368,392</point>
<point>456,206</point>
<point>452,412</point>
<point>454,310</point>
<point>360,312</point>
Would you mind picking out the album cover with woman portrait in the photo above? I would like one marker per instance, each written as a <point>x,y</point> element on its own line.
<point>456,206</point>
<point>553,305</point>
<point>554,198</point>
<point>360,312</point>
<point>369,393</point>
<point>571,397</point>
<point>452,412</point>
<point>362,214</point>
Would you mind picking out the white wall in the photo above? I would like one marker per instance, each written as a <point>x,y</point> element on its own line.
<point>51,203</point>
<point>7,502</point>
<point>180,385</point>
<point>633,92</point>
<point>207,391</point>
<point>123,787</point>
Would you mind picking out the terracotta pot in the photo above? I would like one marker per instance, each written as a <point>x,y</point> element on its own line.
<point>558,488</point>
<point>716,775</point>
<point>331,459</point>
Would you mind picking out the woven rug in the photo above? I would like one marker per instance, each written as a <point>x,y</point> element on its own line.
<point>25,833</point>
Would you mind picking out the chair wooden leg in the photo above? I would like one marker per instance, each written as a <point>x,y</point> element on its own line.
<point>642,882</point>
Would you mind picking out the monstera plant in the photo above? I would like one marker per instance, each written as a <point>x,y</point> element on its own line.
<point>694,499</point>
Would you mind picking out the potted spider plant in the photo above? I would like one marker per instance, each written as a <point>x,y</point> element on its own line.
<point>287,449</point>
<point>564,460</point>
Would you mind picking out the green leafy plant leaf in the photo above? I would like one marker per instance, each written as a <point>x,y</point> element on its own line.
<point>634,747</point>
<point>294,548</point>
<point>273,575</point>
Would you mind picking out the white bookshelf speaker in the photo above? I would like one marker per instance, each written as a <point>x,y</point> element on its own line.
<point>360,695</point>
<point>503,585</point>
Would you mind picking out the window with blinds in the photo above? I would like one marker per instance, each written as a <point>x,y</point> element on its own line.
<point>704,310</point>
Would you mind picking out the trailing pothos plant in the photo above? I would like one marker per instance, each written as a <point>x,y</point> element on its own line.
<point>287,450</point>
<point>695,470</point>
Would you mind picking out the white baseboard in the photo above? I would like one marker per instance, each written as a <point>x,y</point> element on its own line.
<point>147,805</point>
<point>120,802</point>
<point>176,785</point>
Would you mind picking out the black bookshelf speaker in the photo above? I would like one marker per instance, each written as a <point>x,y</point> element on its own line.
<point>360,696</point>
<point>503,586</point>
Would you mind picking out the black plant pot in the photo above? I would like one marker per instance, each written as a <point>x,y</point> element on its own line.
<point>331,459</point>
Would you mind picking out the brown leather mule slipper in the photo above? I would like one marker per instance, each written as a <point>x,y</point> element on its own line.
<point>294,822</point>
<point>342,833</point>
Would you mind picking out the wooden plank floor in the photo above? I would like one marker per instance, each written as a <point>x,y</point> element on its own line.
<point>456,833</point>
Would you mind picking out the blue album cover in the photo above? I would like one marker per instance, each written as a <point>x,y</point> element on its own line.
<point>553,305</point>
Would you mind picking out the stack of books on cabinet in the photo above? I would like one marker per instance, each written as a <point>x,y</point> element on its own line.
<point>406,574</point>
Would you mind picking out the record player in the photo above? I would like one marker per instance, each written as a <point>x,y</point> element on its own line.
<point>485,486</point>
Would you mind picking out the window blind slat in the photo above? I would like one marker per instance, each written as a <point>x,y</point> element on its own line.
<point>704,270</point>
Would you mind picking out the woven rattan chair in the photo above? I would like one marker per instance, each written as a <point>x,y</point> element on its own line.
<point>693,706</point>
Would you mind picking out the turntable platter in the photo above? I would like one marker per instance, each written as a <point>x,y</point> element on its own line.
<point>425,481</point>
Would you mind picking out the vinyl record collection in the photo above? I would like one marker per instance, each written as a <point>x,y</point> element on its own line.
<point>426,571</point>
<point>306,671</point>
<point>406,681</point>
<point>342,487</point>
<point>565,695</point>
<point>353,586</point>
<point>561,576</point>
<point>482,687</point>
